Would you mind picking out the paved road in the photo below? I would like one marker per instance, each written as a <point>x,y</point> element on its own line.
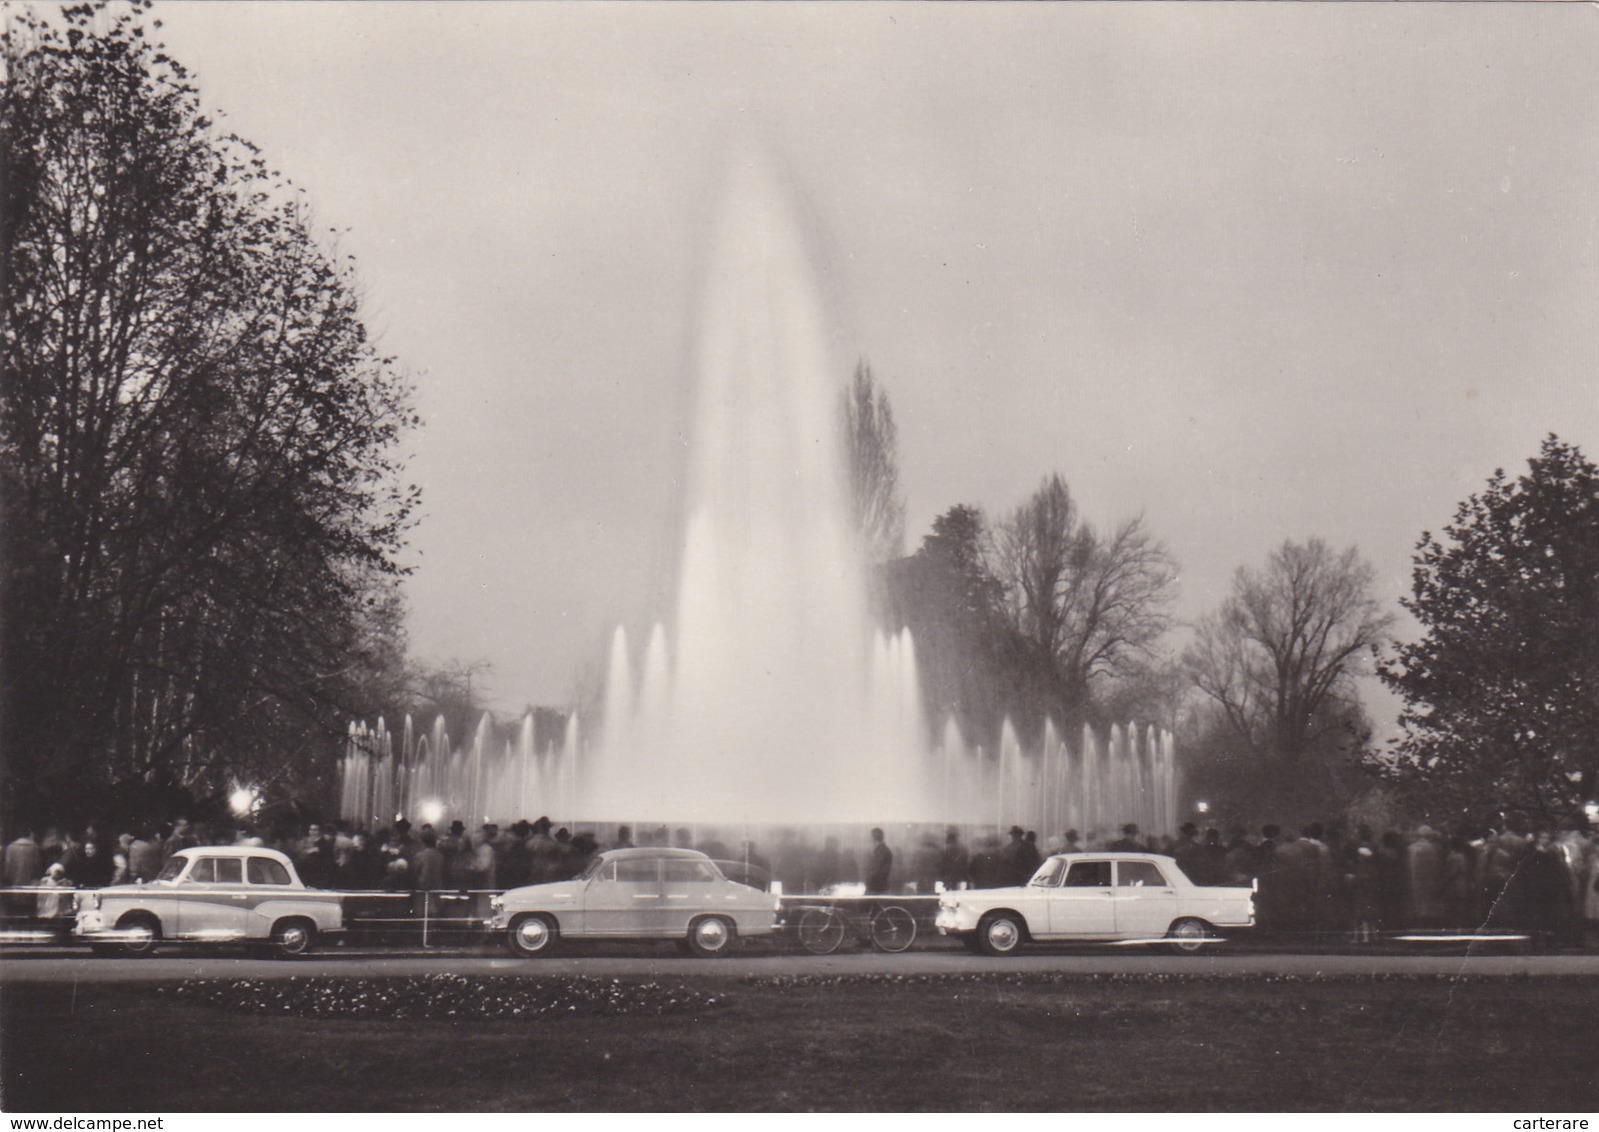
<point>647,962</point>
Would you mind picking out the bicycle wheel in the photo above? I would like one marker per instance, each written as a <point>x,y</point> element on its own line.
<point>821,930</point>
<point>893,929</point>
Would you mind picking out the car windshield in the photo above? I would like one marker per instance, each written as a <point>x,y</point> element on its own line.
<point>172,868</point>
<point>593,869</point>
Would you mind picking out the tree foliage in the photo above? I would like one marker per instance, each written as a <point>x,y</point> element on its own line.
<point>946,596</point>
<point>871,449</point>
<point>1085,607</point>
<point>1502,690</point>
<point>202,494</point>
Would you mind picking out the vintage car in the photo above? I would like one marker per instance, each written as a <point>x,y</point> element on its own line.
<point>216,894</point>
<point>1096,897</point>
<point>676,894</point>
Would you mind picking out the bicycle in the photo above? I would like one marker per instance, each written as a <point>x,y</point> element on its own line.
<point>888,927</point>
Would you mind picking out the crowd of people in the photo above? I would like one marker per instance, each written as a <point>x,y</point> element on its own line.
<point>1326,881</point>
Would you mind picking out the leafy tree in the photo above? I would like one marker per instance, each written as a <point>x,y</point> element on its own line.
<point>1502,690</point>
<point>871,449</point>
<point>197,440</point>
<point>1086,608</point>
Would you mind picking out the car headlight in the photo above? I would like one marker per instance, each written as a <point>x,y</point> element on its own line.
<point>496,904</point>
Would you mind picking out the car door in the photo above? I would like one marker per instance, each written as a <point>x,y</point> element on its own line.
<point>624,899</point>
<point>689,887</point>
<point>1084,903</point>
<point>1145,901</point>
<point>213,902</point>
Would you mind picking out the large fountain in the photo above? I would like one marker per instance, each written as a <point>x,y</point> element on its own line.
<point>766,696</point>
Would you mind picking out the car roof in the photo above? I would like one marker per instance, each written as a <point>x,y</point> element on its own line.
<point>230,851</point>
<point>655,851</point>
<point>1113,855</point>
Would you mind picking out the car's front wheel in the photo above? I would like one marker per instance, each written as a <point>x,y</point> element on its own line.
<point>711,936</point>
<point>140,934</point>
<point>1189,936</point>
<point>1000,933</point>
<point>293,937</point>
<point>532,936</point>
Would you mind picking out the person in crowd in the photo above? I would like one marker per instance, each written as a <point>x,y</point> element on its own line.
<point>1423,880</point>
<point>1390,878</point>
<point>1266,868</point>
<point>624,837</point>
<point>1011,854</point>
<point>181,837</point>
<point>91,868</point>
<point>55,902</point>
<point>1072,842</point>
<point>1189,854</point>
<point>429,875</point>
<point>1128,842</point>
<point>514,863</point>
<point>1361,872</point>
<point>1590,893</point>
<point>583,848</point>
<point>485,862</point>
<point>1547,893</point>
<point>23,865</point>
<point>544,856</point>
<point>1028,857</point>
<point>924,864</point>
<point>1454,884</point>
<point>144,857</point>
<point>988,868</point>
<point>315,861</point>
<point>954,862</point>
<point>879,864</point>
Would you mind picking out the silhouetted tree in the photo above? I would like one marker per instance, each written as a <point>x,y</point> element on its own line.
<point>1085,608</point>
<point>202,510</point>
<point>1502,692</point>
<point>951,603</point>
<point>1281,655</point>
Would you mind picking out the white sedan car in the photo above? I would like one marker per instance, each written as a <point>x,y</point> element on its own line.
<point>1099,898</point>
<point>675,894</point>
<point>219,894</point>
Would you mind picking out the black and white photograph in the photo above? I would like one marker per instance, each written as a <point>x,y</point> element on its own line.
<point>897,557</point>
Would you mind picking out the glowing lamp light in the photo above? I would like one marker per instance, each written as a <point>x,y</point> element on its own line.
<point>1592,810</point>
<point>431,811</point>
<point>243,801</point>
<point>1202,807</point>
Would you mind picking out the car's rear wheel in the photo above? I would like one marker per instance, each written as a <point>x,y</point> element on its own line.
<point>1189,936</point>
<point>532,936</point>
<point>893,929</point>
<point>141,933</point>
<point>821,930</point>
<point>711,936</point>
<point>1000,933</point>
<point>293,937</point>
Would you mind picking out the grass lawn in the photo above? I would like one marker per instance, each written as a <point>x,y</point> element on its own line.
<point>999,1042</point>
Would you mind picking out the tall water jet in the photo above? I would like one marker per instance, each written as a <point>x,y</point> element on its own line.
<point>765,696</point>
<point>778,705</point>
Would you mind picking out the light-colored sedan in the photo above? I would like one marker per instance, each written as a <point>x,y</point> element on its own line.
<point>1097,897</point>
<point>675,894</point>
<point>219,894</point>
